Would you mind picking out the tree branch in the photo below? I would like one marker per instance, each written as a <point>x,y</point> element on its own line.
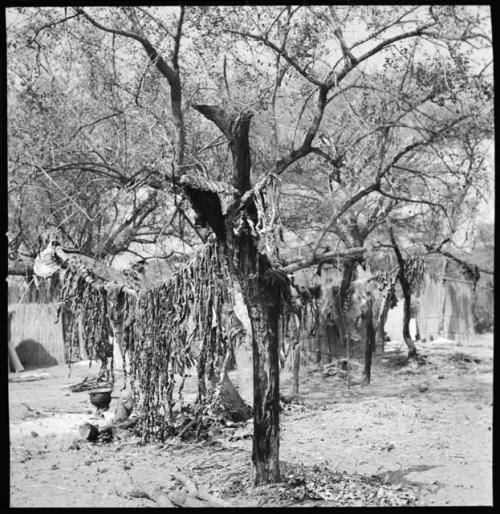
<point>153,55</point>
<point>283,163</point>
<point>412,200</point>
<point>329,159</point>
<point>236,129</point>
<point>401,261</point>
<point>337,30</point>
<point>177,40</point>
<point>349,203</point>
<point>216,115</point>
<point>328,257</point>
<point>357,60</point>
<point>53,24</point>
<point>87,125</point>
<point>280,51</point>
<point>462,262</point>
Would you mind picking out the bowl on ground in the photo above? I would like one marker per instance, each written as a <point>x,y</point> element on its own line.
<point>100,398</point>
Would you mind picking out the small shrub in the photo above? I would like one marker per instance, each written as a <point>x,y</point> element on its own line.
<point>483,318</point>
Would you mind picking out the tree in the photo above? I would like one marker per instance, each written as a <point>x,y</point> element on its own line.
<point>90,163</point>
<point>276,70</point>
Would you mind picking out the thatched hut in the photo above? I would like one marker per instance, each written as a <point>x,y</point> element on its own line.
<point>442,305</point>
<point>35,334</point>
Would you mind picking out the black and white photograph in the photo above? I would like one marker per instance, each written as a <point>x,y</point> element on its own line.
<point>250,255</point>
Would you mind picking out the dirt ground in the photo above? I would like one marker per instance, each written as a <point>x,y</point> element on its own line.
<point>418,435</point>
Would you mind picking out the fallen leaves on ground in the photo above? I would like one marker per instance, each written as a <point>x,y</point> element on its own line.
<point>318,485</point>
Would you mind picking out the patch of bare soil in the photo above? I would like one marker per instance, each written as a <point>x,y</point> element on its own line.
<point>420,434</point>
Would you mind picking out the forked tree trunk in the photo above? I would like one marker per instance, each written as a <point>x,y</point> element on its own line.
<point>262,289</point>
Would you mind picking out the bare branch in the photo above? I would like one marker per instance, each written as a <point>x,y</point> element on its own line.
<point>280,51</point>
<point>337,30</point>
<point>460,261</point>
<point>53,24</point>
<point>217,116</point>
<point>177,40</point>
<point>156,20</point>
<point>329,159</point>
<point>386,27</point>
<point>328,257</point>
<point>305,148</point>
<point>64,193</point>
<point>87,125</point>
<point>224,71</point>
<point>153,55</point>
<point>349,203</point>
<point>357,60</point>
<point>412,200</point>
<point>401,261</point>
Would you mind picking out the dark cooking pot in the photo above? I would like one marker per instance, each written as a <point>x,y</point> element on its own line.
<point>100,398</point>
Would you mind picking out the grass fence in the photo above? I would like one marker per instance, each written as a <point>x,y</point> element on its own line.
<point>36,336</point>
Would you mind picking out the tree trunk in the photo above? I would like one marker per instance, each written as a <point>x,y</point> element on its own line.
<point>317,335</point>
<point>176,103</point>
<point>412,349</point>
<point>341,305</point>
<point>264,302</point>
<point>299,336</point>
<point>262,289</point>
<point>265,452</point>
<point>296,367</point>
<point>369,339</point>
<point>406,287</point>
<point>382,318</point>
<point>338,316</point>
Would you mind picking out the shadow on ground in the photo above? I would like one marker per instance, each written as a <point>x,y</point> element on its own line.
<point>33,355</point>
<point>397,476</point>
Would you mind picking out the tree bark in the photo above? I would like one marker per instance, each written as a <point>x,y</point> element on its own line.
<point>317,335</point>
<point>296,367</point>
<point>369,339</point>
<point>406,287</point>
<point>344,296</point>
<point>340,298</point>
<point>176,102</point>
<point>412,349</point>
<point>262,289</point>
<point>382,317</point>
<point>263,299</point>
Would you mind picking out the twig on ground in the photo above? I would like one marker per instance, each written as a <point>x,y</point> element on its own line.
<point>197,493</point>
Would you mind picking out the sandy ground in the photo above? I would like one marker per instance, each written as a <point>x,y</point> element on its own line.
<point>427,428</point>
